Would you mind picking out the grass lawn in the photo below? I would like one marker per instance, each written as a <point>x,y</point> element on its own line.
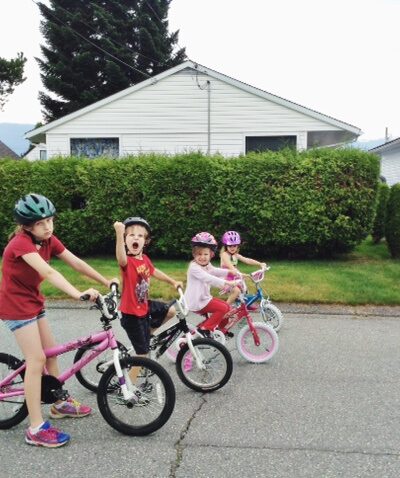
<point>366,276</point>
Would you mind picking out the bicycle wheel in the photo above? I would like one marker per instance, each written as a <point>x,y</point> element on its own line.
<point>155,398</point>
<point>89,376</point>
<point>271,315</point>
<point>269,343</point>
<point>12,410</point>
<point>217,362</point>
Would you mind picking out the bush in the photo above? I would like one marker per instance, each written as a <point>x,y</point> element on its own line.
<point>378,228</point>
<point>393,221</point>
<point>297,204</point>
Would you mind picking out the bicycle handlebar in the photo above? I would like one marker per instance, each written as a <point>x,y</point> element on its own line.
<point>107,304</point>
<point>258,276</point>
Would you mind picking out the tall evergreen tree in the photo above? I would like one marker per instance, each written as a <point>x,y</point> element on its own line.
<point>11,75</point>
<point>99,47</point>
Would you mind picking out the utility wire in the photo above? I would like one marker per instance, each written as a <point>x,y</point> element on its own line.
<point>94,44</point>
<point>108,38</point>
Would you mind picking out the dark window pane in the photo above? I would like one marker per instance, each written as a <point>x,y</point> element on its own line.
<point>94,147</point>
<point>272,143</point>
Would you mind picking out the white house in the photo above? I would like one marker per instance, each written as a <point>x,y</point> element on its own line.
<point>191,107</point>
<point>390,160</point>
<point>39,151</point>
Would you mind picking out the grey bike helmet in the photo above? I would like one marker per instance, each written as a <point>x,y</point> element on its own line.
<point>32,208</point>
<point>130,221</point>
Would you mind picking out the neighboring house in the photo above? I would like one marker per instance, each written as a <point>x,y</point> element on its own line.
<point>390,160</point>
<point>191,108</point>
<point>39,151</point>
<point>6,152</point>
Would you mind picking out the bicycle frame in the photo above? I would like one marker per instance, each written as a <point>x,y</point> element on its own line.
<point>105,340</point>
<point>168,336</point>
<point>236,314</point>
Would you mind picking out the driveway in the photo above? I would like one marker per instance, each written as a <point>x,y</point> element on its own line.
<point>327,405</point>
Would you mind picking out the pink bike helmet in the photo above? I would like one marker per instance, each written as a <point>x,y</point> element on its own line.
<point>204,239</point>
<point>231,238</point>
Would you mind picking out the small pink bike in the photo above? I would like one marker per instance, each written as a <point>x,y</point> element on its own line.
<point>136,409</point>
<point>257,342</point>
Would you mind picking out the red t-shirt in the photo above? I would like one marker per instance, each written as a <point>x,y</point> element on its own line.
<point>136,282</point>
<point>20,297</point>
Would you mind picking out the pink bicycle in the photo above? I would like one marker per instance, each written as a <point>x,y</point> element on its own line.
<point>137,408</point>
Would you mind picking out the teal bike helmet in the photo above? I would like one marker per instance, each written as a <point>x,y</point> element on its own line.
<point>32,208</point>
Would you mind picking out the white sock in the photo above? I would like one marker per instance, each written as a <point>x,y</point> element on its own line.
<point>35,430</point>
<point>59,405</point>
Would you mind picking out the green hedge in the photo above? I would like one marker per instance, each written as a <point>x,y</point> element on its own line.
<point>393,221</point>
<point>311,203</point>
<point>378,227</point>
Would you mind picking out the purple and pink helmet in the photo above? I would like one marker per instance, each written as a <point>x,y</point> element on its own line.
<point>204,239</point>
<point>231,238</point>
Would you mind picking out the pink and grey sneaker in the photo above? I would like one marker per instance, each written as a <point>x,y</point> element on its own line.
<point>47,436</point>
<point>188,363</point>
<point>70,408</point>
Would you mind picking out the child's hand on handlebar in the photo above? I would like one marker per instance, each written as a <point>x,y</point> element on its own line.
<point>178,284</point>
<point>114,280</point>
<point>92,293</point>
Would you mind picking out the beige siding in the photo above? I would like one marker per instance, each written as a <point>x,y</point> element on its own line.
<point>172,116</point>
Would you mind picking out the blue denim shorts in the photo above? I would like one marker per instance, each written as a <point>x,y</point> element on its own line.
<point>14,325</point>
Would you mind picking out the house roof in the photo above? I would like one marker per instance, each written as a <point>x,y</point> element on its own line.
<point>213,74</point>
<point>394,144</point>
<point>6,152</point>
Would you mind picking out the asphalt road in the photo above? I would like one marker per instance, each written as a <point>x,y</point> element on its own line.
<point>327,405</point>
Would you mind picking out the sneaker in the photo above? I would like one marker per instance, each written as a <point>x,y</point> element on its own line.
<point>188,363</point>
<point>226,332</point>
<point>47,436</point>
<point>204,332</point>
<point>70,408</point>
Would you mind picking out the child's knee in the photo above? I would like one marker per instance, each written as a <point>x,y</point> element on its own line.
<point>171,313</point>
<point>36,361</point>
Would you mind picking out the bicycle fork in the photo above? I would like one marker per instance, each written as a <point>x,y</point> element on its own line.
<point>195,353</point>
<point>253,331</point>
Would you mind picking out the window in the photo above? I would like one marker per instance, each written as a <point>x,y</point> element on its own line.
<point>272,143</point>
<point>94,147</point>
<point>42,154</point>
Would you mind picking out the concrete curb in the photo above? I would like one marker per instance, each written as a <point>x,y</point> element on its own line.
<point>286,308</point>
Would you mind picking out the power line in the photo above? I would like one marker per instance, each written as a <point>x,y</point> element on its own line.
<point>94,44</point>
<point>108,38</point>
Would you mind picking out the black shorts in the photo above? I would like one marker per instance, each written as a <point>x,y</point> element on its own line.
<point>138,328</point>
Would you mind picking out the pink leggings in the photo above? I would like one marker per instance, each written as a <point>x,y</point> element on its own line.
<point>217,308</point>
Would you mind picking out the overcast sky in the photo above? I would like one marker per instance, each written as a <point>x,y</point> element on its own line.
<point>338,57</point>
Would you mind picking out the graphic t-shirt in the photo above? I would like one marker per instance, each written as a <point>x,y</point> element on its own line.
<point>20,296</point>
<point>136,282</point>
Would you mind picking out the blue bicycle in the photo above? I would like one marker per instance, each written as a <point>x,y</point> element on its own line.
<point>270,313</point>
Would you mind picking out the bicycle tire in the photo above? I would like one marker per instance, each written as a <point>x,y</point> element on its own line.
<point>271,315</point>
<point>89,376</point>
<point>217,359</point>
<point>269,343</point>
<point>158,398</point>
<point>12,411</point>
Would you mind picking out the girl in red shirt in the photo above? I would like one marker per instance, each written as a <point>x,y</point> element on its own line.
<point>25,265</point>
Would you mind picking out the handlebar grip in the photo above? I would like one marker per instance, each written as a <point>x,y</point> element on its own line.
<point>84,297</point>
<point>114,286</point>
